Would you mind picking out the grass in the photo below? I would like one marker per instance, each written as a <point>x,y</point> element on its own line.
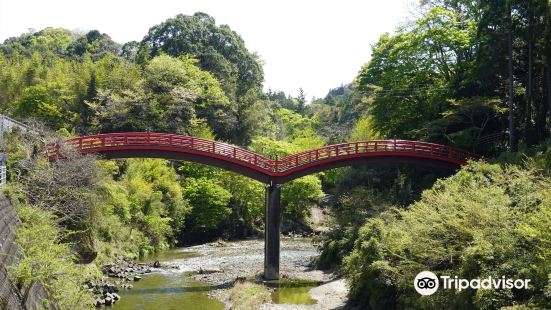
<point>248,295</point>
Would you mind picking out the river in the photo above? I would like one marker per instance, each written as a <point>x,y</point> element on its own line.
<point>199,277</point>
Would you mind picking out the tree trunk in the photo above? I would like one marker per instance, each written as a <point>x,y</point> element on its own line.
<point>512,136</point>
<point>548,78</point>
<point>530,134</point>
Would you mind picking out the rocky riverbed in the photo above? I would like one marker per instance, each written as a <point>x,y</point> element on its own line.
<point>117,276</point>
<point>221,263</point>
<point>201,276</point>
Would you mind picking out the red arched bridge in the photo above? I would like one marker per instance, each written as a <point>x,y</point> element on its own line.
<point>270,171</point>
<point>258,167</point>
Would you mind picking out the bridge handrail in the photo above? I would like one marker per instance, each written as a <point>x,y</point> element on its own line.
<point>89,143</point>
<point>361,147</point>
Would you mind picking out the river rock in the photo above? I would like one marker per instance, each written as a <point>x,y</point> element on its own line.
<point>98,302</point>
<point>208,271</point>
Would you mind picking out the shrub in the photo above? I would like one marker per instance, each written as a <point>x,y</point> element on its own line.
<point>486,220</point>
<point>49,260</point>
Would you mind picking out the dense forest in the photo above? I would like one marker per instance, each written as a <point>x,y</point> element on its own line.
<point>471,74</point>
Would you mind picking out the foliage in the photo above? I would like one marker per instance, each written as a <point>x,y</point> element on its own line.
<point>360,193</point>
<point>93,43</point>
<point>148,197</point>
<point>299,130</point>
<point>335,114</point>
<point>53,40</point>
<point>299,195</point>
<point>471,225</point>
<point>246,202</point>
<point>364,130</point>
<point>208,202</point>
<point>443,77</point>
<point>176,97</point>
<point>219,49</point>
<point>46,258</point>
<point>410,71</point>
<point>36,102</point>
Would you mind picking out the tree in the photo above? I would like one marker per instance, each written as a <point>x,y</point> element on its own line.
<point>94,43</point>
<point>209,203</point>
<point>36,101</point>
<point>174,96</point>
<point>149,198</point>
<point>219,50</point>
<point>410,72</point>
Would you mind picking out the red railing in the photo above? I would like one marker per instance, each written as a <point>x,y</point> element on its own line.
<point>105,142</point>
<point>352,149</point>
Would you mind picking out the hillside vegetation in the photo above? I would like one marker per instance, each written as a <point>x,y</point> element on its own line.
<point>443,77</point>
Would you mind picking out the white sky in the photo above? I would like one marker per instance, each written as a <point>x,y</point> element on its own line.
<point>316,45</point>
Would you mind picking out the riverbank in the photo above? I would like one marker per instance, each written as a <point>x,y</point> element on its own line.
<point>220,264</point>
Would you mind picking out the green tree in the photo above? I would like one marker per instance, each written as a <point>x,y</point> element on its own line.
<point>94,43</point>
<point>149,198</point>
<point>219,50</point>
<point>209,203</point>
<point>410,73</point>
<point>37,102</point>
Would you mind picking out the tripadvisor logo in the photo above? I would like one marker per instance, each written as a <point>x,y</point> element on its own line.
<point>427,283</point>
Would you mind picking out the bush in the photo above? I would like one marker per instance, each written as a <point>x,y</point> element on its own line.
<point>49,260</point>
<point>486,220</point>
<point>209,203</point>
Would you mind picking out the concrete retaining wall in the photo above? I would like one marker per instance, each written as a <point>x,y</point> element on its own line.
<point>12,298</point>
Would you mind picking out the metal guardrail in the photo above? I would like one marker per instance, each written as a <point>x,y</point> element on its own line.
<point>127,140</point>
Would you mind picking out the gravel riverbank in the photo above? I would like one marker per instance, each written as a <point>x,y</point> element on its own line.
<point>221,263</point>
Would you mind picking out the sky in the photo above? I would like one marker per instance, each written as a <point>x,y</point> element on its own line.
<point>313,45</point>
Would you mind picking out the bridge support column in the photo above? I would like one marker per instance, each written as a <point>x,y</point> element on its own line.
<point>271,232</point>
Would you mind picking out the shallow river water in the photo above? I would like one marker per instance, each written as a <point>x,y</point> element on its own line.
<point>181,287</point>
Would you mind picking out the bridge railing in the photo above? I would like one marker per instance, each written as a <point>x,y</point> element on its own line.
<point>353,148</point>
<point>92,143</point>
